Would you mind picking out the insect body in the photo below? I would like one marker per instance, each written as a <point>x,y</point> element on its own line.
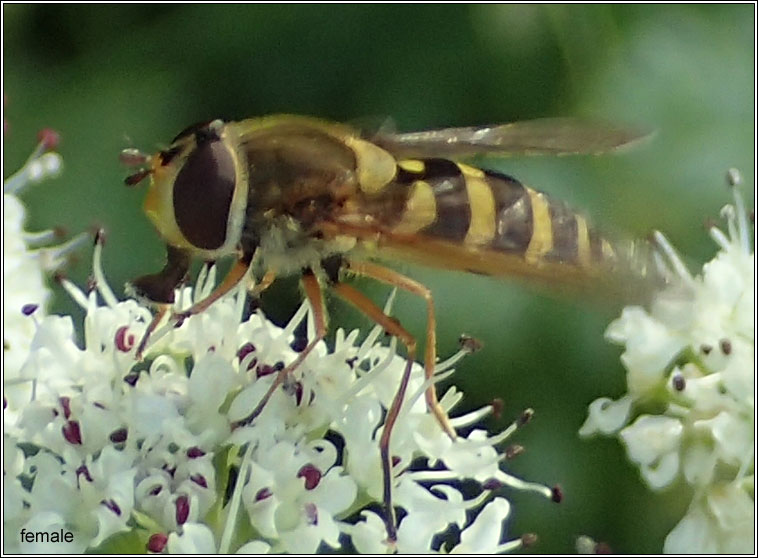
<point>316,198</point>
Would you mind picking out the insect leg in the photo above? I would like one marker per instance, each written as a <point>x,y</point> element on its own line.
<point>390,277</point>
<point>159,288</point>
<point>391,326</point>
<point>315,297</point>
<point>235,275</point>
<point>162,311</point>
<point>268,278</point>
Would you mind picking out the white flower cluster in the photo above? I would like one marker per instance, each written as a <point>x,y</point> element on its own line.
<point>689,410</point>
<point>23,268</point>
<point>106,445</point>
<point>27,259</point>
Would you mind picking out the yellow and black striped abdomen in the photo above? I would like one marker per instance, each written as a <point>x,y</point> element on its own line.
<point>485,211</point>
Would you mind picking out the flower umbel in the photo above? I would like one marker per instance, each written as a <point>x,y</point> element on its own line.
<point>150,449</point>
<point>689,410</point>
<point>26,255</point>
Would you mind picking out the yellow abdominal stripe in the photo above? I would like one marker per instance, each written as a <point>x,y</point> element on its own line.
<point>481,229</point>
<point>470,171</point>
<point>583,242</point>
<point>412,165</point>
<point>542,227</point>
<point>420,209</point>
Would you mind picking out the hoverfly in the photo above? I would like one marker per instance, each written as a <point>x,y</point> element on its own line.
<point>319,199</point>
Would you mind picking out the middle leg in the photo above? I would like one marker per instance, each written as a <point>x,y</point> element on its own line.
<point>315,296</point>
<point>395,279</point>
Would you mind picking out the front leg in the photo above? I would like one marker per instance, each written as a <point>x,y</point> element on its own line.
<point>232,279</point>
<point>158,288</point>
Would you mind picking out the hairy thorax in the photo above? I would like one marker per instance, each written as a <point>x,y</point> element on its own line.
<point>286,248</point>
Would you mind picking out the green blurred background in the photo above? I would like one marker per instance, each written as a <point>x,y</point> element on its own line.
<point>109,77</point>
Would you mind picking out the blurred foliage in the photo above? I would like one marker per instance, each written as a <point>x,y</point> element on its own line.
<point>112,76</point>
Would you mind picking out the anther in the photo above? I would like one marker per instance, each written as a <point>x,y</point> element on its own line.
<point>29,309</point>
<point>199,480</point>
<point>100,236</point>
<point>182,509</point>
<point>72,433</point>
<point>469,344</point>
<point>157,542</point>
<point>492,484</point>
<point>514,450</point>
<point>131,378</point>
<point>48,138</point>
<point>112,505</point>
<point>603,548</point>
<point>311,475</point>
<point>733,177</point>
<point>118,436</point>
<point>557,494</point>
<point>525,417</point>
<point>262,494</point>
<point>124,340</point>
<point>311,513</point>
<point>83,471</point>
<point>497,407</point>
<point>66,406</point>
<point>195,452</point>
<point>678,382</point>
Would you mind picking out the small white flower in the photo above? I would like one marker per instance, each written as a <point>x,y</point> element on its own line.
<point>691,356</point>
<point>480,537</point>
<point>653,443</point>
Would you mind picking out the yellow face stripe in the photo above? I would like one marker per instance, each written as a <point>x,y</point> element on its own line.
<point>412,165</point>
<point>542,227</point>
<point>584,255</point>
<point>159,204</point>
<point>481,229</point>
<point>471,171</point>
<point>420,209</point>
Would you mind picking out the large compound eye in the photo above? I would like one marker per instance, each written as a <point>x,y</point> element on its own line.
<point>203,192</point>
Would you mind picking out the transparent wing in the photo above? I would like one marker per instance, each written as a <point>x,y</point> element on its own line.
<point>548,136</point>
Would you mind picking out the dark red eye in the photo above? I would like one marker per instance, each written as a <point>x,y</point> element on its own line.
<point>203,192</point>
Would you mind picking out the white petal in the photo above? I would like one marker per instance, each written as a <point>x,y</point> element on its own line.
<point>211,379</point>
<point>650,437</point>
<point>370,535</point>
<point>694,534</point>
<point>732,506</point>
<point>662,472</point>
<point>254,547</point>
<point>484,534</point>
<point>195,538</point>
<point>606,416</point>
